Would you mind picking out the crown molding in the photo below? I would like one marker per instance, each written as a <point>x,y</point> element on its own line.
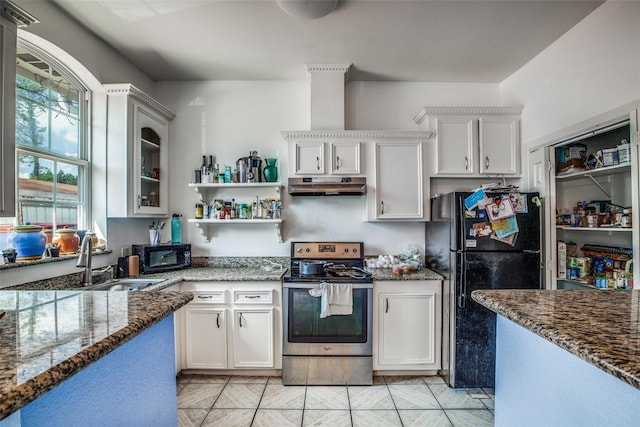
<point>328,68</point>
<point>466,111</point>
<point>356,134</point>
<point>130,90</point>
<point>17,15</point>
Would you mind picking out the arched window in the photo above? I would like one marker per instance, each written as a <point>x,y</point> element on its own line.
<point>52,148</point>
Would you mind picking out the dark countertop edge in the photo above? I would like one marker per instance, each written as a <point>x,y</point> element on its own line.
<point>556,337</point>
<point>25,393</point>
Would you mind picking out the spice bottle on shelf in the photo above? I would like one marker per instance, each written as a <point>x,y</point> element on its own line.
<point>199,211</point>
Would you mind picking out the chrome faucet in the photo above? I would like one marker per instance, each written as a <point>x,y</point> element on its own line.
<point>84,259</point>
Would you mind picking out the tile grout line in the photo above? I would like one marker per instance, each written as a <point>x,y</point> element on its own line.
<point>255,412</point>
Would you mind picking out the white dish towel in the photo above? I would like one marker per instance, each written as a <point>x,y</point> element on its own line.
<point>335,299</point>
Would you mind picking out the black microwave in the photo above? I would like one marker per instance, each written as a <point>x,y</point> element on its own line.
<point>159,258</point>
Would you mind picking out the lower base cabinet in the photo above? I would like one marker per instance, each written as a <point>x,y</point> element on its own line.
<point>407,325</point>
<point>231,326</point>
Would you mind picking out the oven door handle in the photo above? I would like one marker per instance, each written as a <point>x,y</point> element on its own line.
<point>291,285</point>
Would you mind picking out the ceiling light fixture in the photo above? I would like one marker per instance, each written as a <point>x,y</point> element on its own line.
<point>307,9</point>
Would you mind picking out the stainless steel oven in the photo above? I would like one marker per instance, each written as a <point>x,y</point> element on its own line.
<point>336,349</point>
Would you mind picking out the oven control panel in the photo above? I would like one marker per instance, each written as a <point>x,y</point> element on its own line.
<point>327,250</point>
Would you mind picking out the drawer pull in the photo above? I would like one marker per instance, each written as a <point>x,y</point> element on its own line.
<point>252,296</point>
<point>205,296</point>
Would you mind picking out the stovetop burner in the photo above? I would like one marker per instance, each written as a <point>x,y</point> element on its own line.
<point>344,262</point>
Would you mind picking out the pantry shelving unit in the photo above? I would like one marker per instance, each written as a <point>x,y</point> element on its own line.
<point>206,192</point>
<point>609,183</point>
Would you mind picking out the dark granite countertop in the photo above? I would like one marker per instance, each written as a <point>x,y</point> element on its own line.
<point>600,327</point>
<point>48,336</point>
<point>386,274</point>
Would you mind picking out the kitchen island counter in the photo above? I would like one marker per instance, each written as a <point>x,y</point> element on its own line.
<point>50,336</point>
<point>578,351</point>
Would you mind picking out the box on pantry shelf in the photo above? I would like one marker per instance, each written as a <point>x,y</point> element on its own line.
<point>606,157</point>
<point>562,259</point>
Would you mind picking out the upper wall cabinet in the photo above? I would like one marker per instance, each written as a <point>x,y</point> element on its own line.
<point>474,142</point>
<point>317,153</point>
<point>137,153</point>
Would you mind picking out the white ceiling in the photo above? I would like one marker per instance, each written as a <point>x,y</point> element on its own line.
<point>387,40</point>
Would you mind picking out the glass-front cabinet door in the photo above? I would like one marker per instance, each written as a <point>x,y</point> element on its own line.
<point>137,154</point>
<point>151,158</point>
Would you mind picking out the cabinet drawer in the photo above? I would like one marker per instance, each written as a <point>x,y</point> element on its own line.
<point>211,297</point>
<point>253,297</point>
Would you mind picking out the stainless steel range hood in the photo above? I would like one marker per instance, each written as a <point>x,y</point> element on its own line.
<point>328,186</point>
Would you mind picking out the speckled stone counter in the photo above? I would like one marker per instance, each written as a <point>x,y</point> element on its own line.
<point>386,274</point>
<point>600,327</point>
<point>48,336</point>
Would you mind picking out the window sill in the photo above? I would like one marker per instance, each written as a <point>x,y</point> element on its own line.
<point>47,260</point>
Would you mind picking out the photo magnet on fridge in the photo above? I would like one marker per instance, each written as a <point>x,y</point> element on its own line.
<point>519,202</point>
<point>500,209</point>
<point>472,201</point>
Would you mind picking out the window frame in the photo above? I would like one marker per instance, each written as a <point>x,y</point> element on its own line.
<point>83,161</point>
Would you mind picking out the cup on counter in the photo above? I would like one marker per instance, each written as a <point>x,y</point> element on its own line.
<point>154,237</point>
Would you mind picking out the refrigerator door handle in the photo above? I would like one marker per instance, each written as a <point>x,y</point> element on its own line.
<point>462,287</point>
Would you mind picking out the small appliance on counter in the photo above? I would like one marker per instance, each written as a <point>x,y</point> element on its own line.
<point>161,258</point>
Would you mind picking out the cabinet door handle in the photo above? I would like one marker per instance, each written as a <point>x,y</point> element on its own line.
<point>218,321</point>
<point>466,163</point>
<point>386,305</point>
<point>381,208</point>
<point>486,162</point>
<point>240,320</point>
<point>317,162</point>
<point>337,163</point>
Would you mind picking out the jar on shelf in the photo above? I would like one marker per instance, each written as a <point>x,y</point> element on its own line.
<point>28,240</point>
<point>67,239</point>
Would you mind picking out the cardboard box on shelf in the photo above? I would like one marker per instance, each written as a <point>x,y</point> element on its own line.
<point>562,259</point>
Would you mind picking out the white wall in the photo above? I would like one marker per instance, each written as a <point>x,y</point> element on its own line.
<point>591,72</point>
<point>229,118</point>
<point>106,64</point>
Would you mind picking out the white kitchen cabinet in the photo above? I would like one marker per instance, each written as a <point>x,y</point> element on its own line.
<point>475,142</point>
<point>317,153</point>
<point>253,338</point>
<point>400,191</point>
<point>309,158</point>
<point>231,326</point>
<point>407,325</point>
<point>137,153</point>
<point>205,337</point>
<point>345,158</point>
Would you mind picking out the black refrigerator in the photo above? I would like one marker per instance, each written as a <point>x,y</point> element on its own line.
<point>480,240</point>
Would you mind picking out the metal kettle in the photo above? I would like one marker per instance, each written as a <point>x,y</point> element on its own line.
<point>243,167</point>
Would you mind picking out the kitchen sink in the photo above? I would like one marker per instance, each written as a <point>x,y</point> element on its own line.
<point>125,284</point>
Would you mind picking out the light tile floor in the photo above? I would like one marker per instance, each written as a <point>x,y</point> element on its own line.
<point>236,401</point>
